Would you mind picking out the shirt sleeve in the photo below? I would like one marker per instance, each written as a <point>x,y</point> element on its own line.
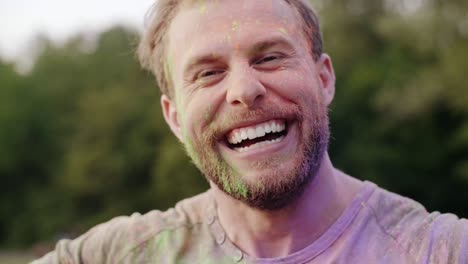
<point>101,244</point>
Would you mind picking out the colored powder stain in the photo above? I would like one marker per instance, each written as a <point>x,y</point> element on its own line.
<point>205,260</point>
<point>283,30</point>
<point>178,104</point>
<point>163,240</point>
<point>149,249</point>
<point>212,125</point>
<point>225,182</point>
<point>191,151</point>
<point>203,7</point>
<point>219,260</point>
<point>208,111</point>
<point>235,25</point>
<point>238,186</point>
<point>241,188</point>
<point>169,66</point>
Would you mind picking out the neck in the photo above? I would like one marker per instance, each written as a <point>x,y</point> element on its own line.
<point>267,234</point>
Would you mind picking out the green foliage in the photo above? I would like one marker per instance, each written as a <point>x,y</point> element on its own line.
<point>400,112</point>
<point>82,138</point>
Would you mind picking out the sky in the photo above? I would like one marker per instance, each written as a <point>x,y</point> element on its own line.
<point>22,20</point>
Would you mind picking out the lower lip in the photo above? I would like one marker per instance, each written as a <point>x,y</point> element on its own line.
<point>267,149</point>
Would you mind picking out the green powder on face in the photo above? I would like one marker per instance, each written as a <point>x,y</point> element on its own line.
<point>188,144</point>
<point>226,185</point>
<point>241,188</point>
<point>283,30</point>
<point>169,66</point>
<point>207,114</point>
<point>229,177</point>
<point>234,183</point>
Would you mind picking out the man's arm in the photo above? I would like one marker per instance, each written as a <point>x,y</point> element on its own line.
<point>103,243</point>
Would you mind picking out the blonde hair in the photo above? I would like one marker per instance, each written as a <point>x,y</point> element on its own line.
<point>152,50</point>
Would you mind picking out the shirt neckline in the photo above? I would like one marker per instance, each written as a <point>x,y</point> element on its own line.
<point>306,254</point>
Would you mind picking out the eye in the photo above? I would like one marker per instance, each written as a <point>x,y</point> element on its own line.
<point>209,77</point>
<point>268,58</point>
<point>208,73</point>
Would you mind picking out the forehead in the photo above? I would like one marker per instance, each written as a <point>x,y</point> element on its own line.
<point>211,24</point>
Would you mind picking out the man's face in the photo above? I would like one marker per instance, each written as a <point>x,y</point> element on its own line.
<point>250,103</point>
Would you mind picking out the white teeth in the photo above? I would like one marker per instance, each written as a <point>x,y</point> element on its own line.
<point>251,132</point>
<point>244,135</point>
<point>238,135</point>
<point>273,128</point>
<point>260,131</point>
<point>259,144</point>
<point>267,128</point>
<point>282,127</point>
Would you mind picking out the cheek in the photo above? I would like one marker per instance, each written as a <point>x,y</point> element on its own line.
<point>199,115</point>
<point>293,86</point>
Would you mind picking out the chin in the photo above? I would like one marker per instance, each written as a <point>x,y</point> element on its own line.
<point>270,176</point>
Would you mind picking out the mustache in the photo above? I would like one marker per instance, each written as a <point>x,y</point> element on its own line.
<point>221,125</point>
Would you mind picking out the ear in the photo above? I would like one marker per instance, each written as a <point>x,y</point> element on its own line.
<point>171,116</point>
<point>327,78</point>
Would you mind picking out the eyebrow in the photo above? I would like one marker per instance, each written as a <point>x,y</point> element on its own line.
<point>264,45</point>
<point>259,47</point>
<point>204,59</point>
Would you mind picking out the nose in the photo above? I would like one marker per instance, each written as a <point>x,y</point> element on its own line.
<point>244,89</point>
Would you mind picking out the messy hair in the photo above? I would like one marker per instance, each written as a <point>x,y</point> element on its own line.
<point>152,50</point>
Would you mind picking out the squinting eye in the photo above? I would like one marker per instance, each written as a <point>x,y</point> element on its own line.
<point>267,59</point>
<point>208,73</point>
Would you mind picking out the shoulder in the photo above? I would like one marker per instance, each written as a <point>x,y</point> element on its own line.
<point>127,233</point>
<point>108,242</point>
<point>433,237</point>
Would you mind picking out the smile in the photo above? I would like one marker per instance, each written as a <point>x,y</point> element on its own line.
<point>257,136</point>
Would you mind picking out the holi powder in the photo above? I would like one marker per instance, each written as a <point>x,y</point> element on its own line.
<point>203,148</point>
<point>283,30</point>
<point>229,176</point>
<point>169,66</point>
<point>189,148</point>
<point>226,185</point>
<point>203,8</point>
<point>235,25</point>
<point>241,188</point>
<point>180,113</point>
<point>207,114</point>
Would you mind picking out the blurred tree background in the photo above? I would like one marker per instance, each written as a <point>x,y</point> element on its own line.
<point>82,138</point>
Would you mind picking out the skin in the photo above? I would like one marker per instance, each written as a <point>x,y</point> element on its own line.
<point>241,83</point>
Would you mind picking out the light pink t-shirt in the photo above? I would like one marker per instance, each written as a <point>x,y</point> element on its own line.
<point>377,227</point>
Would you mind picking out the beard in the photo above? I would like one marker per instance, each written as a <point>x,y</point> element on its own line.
<point>279,186</point>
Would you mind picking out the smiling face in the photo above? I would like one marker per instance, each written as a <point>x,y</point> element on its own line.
<point>250,103</point>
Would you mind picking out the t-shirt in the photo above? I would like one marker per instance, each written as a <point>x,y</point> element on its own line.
<point>377,227</point>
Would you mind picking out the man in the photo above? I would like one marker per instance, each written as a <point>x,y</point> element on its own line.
<point>246,89</point>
